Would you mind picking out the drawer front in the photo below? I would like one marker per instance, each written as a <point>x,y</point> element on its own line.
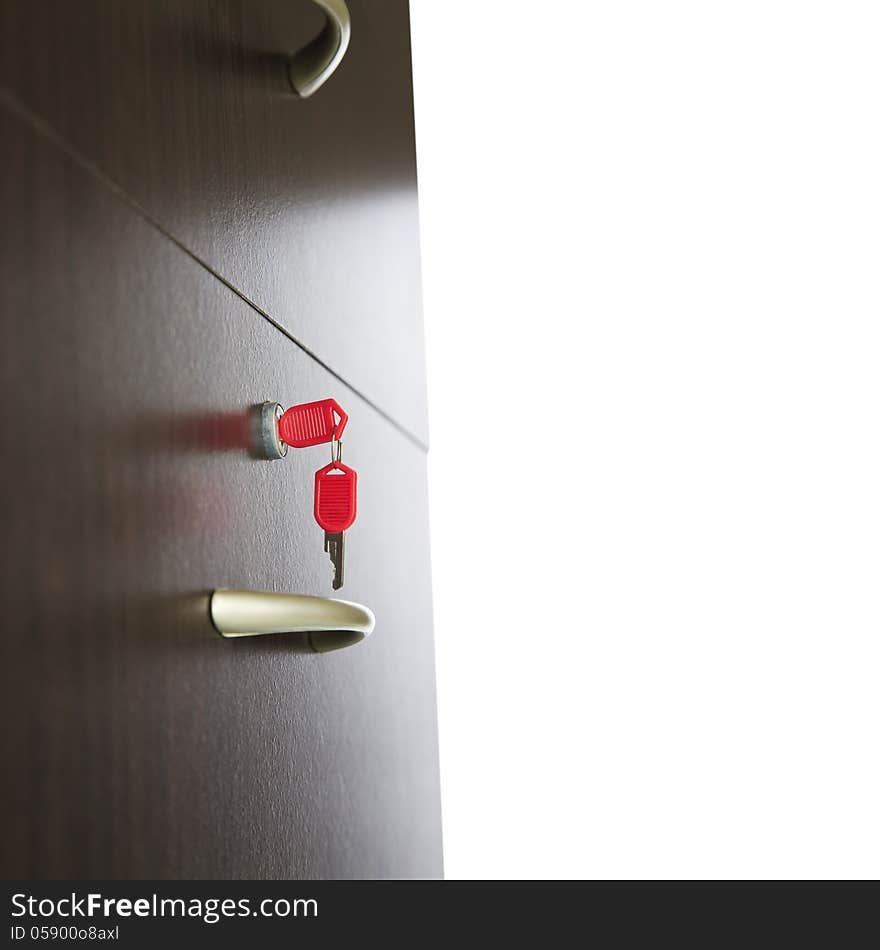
<point>307,207</point>
<point>139,743</point>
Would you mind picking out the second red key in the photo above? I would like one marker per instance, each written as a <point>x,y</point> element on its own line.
<point>312,423</point>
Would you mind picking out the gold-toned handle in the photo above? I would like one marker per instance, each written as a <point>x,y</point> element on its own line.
<point>310,67</point>
<point>319,624</point>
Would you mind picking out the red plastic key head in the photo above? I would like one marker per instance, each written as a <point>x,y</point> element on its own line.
<point>312,423</point>
<point>335,497</point>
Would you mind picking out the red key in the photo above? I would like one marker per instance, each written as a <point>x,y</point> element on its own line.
<point>335,497</point>
<point>335,511</point>
<point>312,423</point>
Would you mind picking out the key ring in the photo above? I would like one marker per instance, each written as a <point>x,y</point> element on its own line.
<point>335,454</point>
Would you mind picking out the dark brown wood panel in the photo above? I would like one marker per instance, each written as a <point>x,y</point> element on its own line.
<point>136,741</point>
<point>308,207</point>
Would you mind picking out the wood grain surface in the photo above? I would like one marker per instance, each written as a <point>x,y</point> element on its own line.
<point>308,207</point>
<point>137,743</point>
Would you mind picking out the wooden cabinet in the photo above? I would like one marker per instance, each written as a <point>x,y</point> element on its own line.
<point>307,207</point>
<point>137,743</point>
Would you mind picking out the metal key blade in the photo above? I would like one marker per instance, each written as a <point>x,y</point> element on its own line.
<point>334,545</point>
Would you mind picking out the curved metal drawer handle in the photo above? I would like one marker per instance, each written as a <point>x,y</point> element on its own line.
<point>310,67</point>
<point>321,624</point>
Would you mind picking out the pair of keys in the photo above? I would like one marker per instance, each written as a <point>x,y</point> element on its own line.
<point>317,423</point>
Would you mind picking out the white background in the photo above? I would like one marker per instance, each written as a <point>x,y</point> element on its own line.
<point>651,249</point>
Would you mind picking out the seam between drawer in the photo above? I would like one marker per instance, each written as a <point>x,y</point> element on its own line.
<point>40,125</point>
